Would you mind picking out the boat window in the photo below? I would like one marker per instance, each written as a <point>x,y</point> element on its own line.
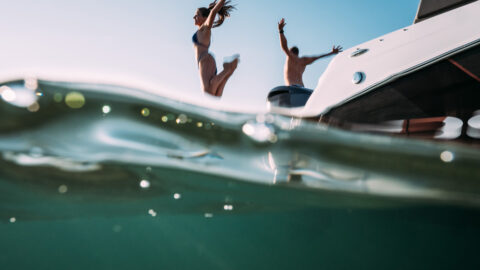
<point>431,8</point>
<point>423,100</point>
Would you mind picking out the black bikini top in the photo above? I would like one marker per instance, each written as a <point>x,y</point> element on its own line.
<point>195,41</point>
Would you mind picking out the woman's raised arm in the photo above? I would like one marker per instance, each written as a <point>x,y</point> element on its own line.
<point>213,13</point>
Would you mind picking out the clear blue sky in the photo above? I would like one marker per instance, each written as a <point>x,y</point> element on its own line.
<point>150,40</point>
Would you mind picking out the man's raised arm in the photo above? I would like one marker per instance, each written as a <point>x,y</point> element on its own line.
<point>310,60</point>
<point>283,39</point>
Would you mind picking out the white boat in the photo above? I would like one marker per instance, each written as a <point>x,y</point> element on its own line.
<point>421,80</point>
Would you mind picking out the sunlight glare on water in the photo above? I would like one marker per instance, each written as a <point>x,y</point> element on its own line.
<point>75,100</point>
<point>7,94</point>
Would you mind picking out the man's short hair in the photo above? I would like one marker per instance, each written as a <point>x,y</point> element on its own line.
<point>295,50</point>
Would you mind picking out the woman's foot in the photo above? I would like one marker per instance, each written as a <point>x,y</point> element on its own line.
<point>231,65</point>
<point>230,59</point>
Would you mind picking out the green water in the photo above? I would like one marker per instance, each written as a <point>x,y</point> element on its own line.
<point>114,178</point>
<point>417,238</point>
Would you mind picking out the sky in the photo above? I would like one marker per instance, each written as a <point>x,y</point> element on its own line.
<point>147,43</point>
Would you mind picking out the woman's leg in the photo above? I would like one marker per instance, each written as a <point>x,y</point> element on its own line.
<point>210,81</point>
<point>226,66</point>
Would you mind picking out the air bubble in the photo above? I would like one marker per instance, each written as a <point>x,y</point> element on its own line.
<point>106,109</point>
<point>182,119</point>
<point>144,184</point>
<point>447,156</point>
<point>145,112</point>
<point>62,189</point>
<point>152,213</point>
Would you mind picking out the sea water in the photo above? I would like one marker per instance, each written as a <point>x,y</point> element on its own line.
<point>105,177</point>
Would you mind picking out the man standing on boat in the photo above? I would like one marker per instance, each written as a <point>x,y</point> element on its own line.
<point>295,65</point>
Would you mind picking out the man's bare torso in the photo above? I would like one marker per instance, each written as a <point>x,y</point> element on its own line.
<point>293,71</point>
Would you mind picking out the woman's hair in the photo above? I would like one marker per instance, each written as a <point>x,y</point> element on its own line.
<point>223,13</point>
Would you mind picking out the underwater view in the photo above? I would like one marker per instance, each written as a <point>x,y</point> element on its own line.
<point>107,177</point>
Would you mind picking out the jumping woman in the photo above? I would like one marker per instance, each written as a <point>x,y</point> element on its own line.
<point>212,83</point>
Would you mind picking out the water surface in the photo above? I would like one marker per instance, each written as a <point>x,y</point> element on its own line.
<point>107,177</point>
